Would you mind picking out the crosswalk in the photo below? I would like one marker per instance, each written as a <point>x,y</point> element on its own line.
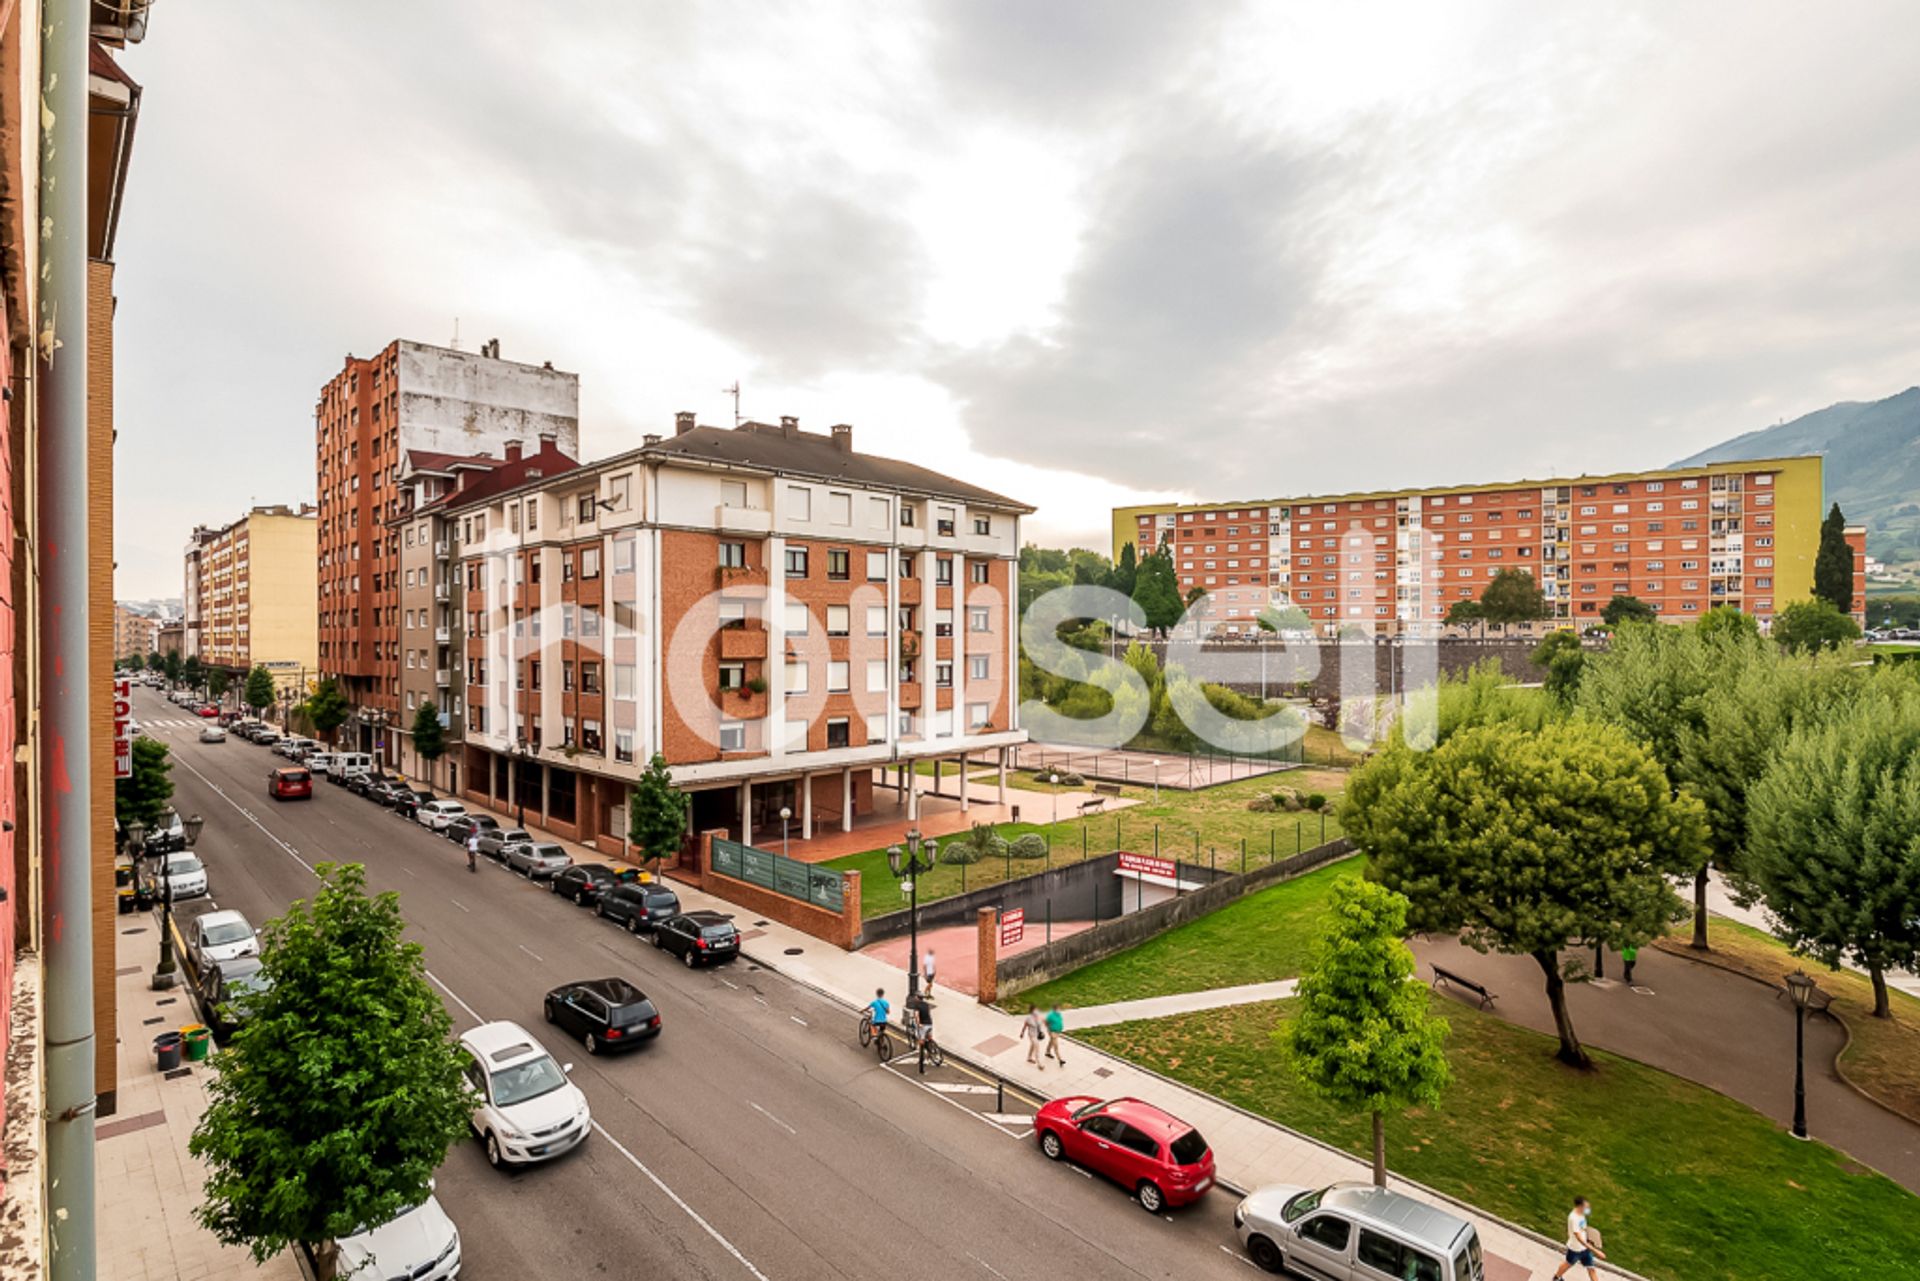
<point>195,723</point>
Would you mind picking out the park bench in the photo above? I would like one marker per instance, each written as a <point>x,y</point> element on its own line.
<point>1447,978</point>
<point>1098,801</point>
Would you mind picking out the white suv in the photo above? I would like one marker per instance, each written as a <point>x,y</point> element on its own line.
<point>524,1107</point>
<point>437,814</point>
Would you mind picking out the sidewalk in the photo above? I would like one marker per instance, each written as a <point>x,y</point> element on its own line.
<point>146,1184</point>
<point>1160,1007</point>
<point>1720,903</point>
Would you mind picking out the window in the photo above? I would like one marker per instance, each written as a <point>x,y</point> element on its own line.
<point>840,508</point>
<point>839,566</point>
<point>943,675</point>
<point>906,514</point>
<point>876,567</point>
<point>732,555</point>
<point>876,620</point>
<point>733,736</point>
<point>796,562</point>
<point>979,619</point>
<point>878,511</point>
<point>623,674</point>
<point>876,675</point>
<point>590,562</point>
<point>796,678</point>
<point>906,565</point>
<point>943,622</point>
<point>585,509</point>
<point>943,522</point>
<point>1387,1256</point>
<point>839,620</point>
<point>795,736</point>
<point>838,732</point>
<point>796,618</point>
<point>533,514</point>
<point>943,572</point>
<point>976,571</point>
<point>589,678</point>
<point>733,614</point>
<point>1328,1231</point>
<point>977,667</point>
<point>839,678</point>
<point>983,524</point>
<point>617,491</point>
<point>799,502</point>
<point>533,675</point>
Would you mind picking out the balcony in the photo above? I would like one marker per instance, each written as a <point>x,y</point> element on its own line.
<point>729,578</point>
<point>753,521</point>
<point>742,703</point>
<point>743,642</point>
<point>442,635</point>
<point>440,549</point>
<point>909,695</point>
<point>440,591</point>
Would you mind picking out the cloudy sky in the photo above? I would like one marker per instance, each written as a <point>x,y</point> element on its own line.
<point>1084,253</point>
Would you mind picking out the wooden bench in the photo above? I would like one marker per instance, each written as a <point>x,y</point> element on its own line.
<point>1447,978</point>
<point>1098,800</point>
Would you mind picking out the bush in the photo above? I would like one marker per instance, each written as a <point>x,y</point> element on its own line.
<point>981,842</point>
<point>1316,801</point>
<point>1286,799</point>
<point>1032,845</point>
<point>1263,804</point>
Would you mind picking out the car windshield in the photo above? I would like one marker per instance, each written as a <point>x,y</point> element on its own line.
<point>549,851</point>
<point>1189,1148</point>
<point>715,931</point>
<point>183,865</point>
<point>663,901</point>
<point>296,776</point>
<point>515,834</point>
<point>1090,1109</point>
<point>229,932</point>
<point>527,1080</point>
<point>1305,1203</point>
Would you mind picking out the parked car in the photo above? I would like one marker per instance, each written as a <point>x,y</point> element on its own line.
<point>536,860</point>
<point>494,841</point>
<point>421,1244</point>
<point>1353,1231</point>
<point>363,784</point>
<point>606,1014</point>
<point>387,791</point>
<point>584,883</point>
<point>317,759</point>
<point>292,743</point>
<point>347,766</point>
<point>698,936</point>
<point>213,734</point>
<point>436,815</point>
<point>264,736</point>
<point>408,800</point>
<point>226,990</point>
<point>524,1107</point>
<point>209,712</point>
<point>185,874</point>
<point>638,907</point>
<point>167,835</point>
<point>1161,1159</point>
<point>290,783</point>
<point>221,936</point>
<point>461,828</point>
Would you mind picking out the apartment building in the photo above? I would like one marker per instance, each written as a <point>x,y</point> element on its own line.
<point>135,635</point>
<point>1395,561</point>
<point>249,589</point>
<point>790,622</point>
<point>369,419</point>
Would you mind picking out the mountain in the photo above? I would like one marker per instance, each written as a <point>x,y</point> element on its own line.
<point>1872,469</point>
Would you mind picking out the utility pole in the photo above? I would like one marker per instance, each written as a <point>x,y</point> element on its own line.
<point>734,391</point>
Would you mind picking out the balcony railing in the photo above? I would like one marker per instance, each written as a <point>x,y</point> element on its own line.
<point>442,677</point>
<point>443,635</point>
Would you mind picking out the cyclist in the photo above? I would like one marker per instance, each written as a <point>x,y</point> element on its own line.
<point>877,1010</point>
<point>473,851</point>
<point>922,1010</point>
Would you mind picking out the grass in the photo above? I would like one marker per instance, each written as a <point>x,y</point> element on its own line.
<point>1883,1058</point>
<point>1206,826</point>
<point>1686,1183</point>
<point>1260,938</point>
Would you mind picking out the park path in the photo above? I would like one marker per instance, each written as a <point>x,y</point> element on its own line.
<point>1160,1007</point>
<point>1720,903</point>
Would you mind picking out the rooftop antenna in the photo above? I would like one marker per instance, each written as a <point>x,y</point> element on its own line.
<point>734,391</point>
<point>456,333</point>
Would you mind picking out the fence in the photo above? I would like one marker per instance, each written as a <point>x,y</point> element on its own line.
<point>1182,771</point>
<point>816,885</point>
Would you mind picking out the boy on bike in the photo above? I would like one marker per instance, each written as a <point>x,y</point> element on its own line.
<point>879,1009</point>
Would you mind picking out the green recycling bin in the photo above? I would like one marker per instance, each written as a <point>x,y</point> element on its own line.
<point>199,1039</point>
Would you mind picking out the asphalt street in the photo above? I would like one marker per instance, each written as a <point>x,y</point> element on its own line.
<point>752,1138</point>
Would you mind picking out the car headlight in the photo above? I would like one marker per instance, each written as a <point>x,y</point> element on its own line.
<point>508,1132</point>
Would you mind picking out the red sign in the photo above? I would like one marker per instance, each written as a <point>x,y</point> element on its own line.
<point>1146,865</point>
<point>122,728</point>
<point>1013,926</point>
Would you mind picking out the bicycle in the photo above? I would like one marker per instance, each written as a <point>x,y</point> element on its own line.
<point>927,1048</point>
<point>879,1038</point>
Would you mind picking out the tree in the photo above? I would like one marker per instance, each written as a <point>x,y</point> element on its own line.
<point>1512,597</point>
<point>1124,571</point>
<point>1833,563</point>
<point>1834,843</point>
<point>1628,609</point>
<point>155,663</point>
<point>1195,595</point>
<point>1362,1035</point>
<point>326,707</point>
<point>175,669</point>
<point>429,737</point>
<point>1465,613</point>
<point>1528,842</point>
<point>340,1094</point>
<point>1156,590</point>
<point>657,812</point>
<point>193,672</point>
<point>143,796</point>
<point>1089,568</point>
<point>217,681</point>
<point>1563,658</point>
<point>1808,625</point>
<point>259,691</point>
<point>1728,620</point>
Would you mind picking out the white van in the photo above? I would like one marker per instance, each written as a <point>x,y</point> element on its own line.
<point>1355,1231</point>
<point>349,765</point>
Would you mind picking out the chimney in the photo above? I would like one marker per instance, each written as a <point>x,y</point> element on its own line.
<point>513,451</point>
<point>843,437</point>
<point>683,422</point>
<point>549,441</point>
<point>650,439</point>
<point>789,426</point>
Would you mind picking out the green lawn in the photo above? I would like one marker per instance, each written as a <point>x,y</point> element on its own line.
<point>1207,827</point>
<point>1686,1183</point>
<point>1264,936</point>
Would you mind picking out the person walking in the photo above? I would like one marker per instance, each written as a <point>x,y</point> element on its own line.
<point>1055,1026</point>
<point>1627,958</point>
<point>1582,1247</point>
<point>1034,1030</point>
<point>926,971</point>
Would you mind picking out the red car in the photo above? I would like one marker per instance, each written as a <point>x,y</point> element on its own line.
<point>290,784</point>
<point>1161,1159</point>
<point>209,711</point>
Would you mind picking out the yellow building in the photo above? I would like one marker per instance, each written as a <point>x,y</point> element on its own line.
<point>251,592</point>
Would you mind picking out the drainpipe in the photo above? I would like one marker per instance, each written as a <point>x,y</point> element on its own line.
<point>66,683</point>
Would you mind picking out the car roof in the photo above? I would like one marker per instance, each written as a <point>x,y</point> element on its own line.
<point>592,868</point>
<point>501,1043</point>
<point>291,769</point>
<point>613,991</point>
<point>704,917</point>
<point>225,918</point>
<point>1145,1116</point>
<point>548,847</point>
<point>239,967</point>
<point>1424,1223</point>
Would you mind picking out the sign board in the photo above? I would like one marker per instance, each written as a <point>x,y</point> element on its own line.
<point>1146,865</point>
<point>122,728</point>
<point>1013,926</point>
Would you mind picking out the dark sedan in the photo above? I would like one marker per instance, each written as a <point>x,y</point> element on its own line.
<point>584,883</point>
<point>698,936</point>
<point>407,801</point>
<point>461,828</point>
<point>227,988</point>
<point>638,907</point>
<point>363,784</point>
<point>606,1014</point>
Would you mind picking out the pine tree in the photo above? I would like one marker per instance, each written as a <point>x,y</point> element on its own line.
<point>1156,590</point>
<point>1125,571</point>
<point>1833,563</point>
<point>429,737</point>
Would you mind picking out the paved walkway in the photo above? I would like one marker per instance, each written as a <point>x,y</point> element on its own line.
<point>1685,1017</point>
<point>146,1184</point>
<point>1160,1007</point>
<point>1720,903</point>
<point>956,949</point>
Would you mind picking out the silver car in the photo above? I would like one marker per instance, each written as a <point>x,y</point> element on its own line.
<point>495,840</point>
<point>1353,1232</point>
<point>534,861</point>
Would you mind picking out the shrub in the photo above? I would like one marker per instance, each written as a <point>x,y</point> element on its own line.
<point>1032,845</point>
<point>981,842</point>
<point>1263,804</point>
<point>1286,799</point>
<point>1316,801</point>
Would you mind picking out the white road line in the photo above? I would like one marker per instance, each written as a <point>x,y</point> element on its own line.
<point>797,1019</point>
<point>763,1001</point>
<point>729,983</point>
<point>959,1087</point>
<point>221,793</point>
<point>900,1070</point>
<point>771,1117</point>
<point>988,1266</point>
<point>1239,1257</point>
<point>464,908</point>
<point>1009,1118</point>
<point>523,948</point>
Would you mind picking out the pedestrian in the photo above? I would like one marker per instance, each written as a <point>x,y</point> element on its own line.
<point>1034,1029</point>
<point>473,851</point>
<point>1627,956</point>
<point>1055,1026</point>
<point>1582,1248</point>
<point>926,970</point>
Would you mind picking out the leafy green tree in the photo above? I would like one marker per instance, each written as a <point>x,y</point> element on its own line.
<point>1512,597</point>
<point>1044,560</point>
<point>1362,1034</point>
<point>1833,564</point>
<point>155,663</point>
<point>341,1093</point>
<point>1466,614</point>
<point>193,672</point>
<point>326,707</point>
<point>1729,620</point>
<point>1562,657</point>
<point>657,812</point>
<point>1834,842</point>
<point>429,736</point>
<point>1156,590</point>
<point>143,796</point>
<point>1037,583</point>
<point>217,681</point>
<point>1628,609</point>
<point>176,670</point>
<point>1528,843</point>
<point>1124,571</point>
<point>1808,625</point>
<point>1195,595</point>
<point>1484,695</point>
<point>259,693</point>
<point>1089,568</point>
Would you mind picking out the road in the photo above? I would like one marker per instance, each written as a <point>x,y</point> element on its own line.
<point>751,1139</point>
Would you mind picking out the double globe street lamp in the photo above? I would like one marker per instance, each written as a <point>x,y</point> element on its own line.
<point>911,862</point>
<point>165,971</point>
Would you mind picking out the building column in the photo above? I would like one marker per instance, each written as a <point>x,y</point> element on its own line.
<point>746,811</point>
<point>806,807</point>
<point>1003,776</point>
<point>963,784</point>
<point>513,782</point>
<point>937,763</point>
<point>913,791</point>
<point>846,800</point>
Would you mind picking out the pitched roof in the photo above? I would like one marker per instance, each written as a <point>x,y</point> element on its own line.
<point>547,461</point>
<point>428,460</point>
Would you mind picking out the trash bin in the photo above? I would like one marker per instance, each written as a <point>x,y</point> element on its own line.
<point>126,899</point>
<point>166,1049</point>
<point>199,1039</point>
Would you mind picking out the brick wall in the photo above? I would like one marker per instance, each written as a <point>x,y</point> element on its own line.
<point>842,928</point>
<point>11,651</point>
<point>100,653</point>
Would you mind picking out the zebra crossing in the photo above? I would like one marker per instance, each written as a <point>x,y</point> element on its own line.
<point>193,723</point>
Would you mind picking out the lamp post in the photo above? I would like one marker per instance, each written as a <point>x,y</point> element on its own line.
<point>1156,782</point>
<point>786,813</point>
<point>1801,989</point>
<point>165,971</point>
<point>910,862</point>
<point>1054,779</point>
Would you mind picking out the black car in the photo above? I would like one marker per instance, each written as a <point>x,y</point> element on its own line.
<point>698,936</point>
<point>584,883</point>
<point>638,907</point>
<point>461,828</point>
<point>225,989</point>
<point>363,784</point>
<point>407,801</point>
<point>606,1014</point>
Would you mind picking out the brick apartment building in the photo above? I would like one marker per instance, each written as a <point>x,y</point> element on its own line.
<point>249,588</point>
<point>1394,561</point>
<point>779,615</point>
<point>370,418</point>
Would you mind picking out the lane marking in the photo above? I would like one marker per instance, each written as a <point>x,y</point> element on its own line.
<point>536,956</point>
<point>464,908</point>
<point>959,1087</point>
<point>771,1117</point>
<point>797,1019</point>
<point>1238,1257</point>
<point>899,1068</point>
<point>734,986</point>
<point>989,1267</point>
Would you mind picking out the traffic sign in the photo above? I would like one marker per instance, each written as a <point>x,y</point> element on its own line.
<point>1013,926</point>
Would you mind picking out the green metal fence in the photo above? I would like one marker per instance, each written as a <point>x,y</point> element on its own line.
<point>819,886</point>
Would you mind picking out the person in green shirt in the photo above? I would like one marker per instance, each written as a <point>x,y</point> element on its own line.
<point>1055,1026</point>
<point>1627,955</point>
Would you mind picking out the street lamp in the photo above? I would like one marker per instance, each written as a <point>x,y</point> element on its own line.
<point>1054,779</point>
<point>1156,782</point>
<point>164,972</point>
<point>1800,988</point>
<point>910,862</point>
<point>785,814</point>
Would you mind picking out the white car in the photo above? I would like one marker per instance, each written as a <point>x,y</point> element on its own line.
<point>435,815</point>
<point>213,734</point>
<point>524,1108</point>
<point>420,1243</point>
<point>319,760</point>
<point>184,875</point>
<point>222,936</point>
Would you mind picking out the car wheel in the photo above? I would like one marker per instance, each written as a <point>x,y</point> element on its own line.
<point>1265,1254</point>
<point>1152,1200</point>
<point>657,941</point>
<point>600,910</point>
<point>633,926</point>
<point>579,898</point>
<point>687,956</point>
<point>1050,1144</point>
<point>495,1157</point>
<point>553,883</point>
<point>546,1008</point>
<point>593,1043</point>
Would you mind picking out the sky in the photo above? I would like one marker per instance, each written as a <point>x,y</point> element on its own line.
<point>1083,253</point>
